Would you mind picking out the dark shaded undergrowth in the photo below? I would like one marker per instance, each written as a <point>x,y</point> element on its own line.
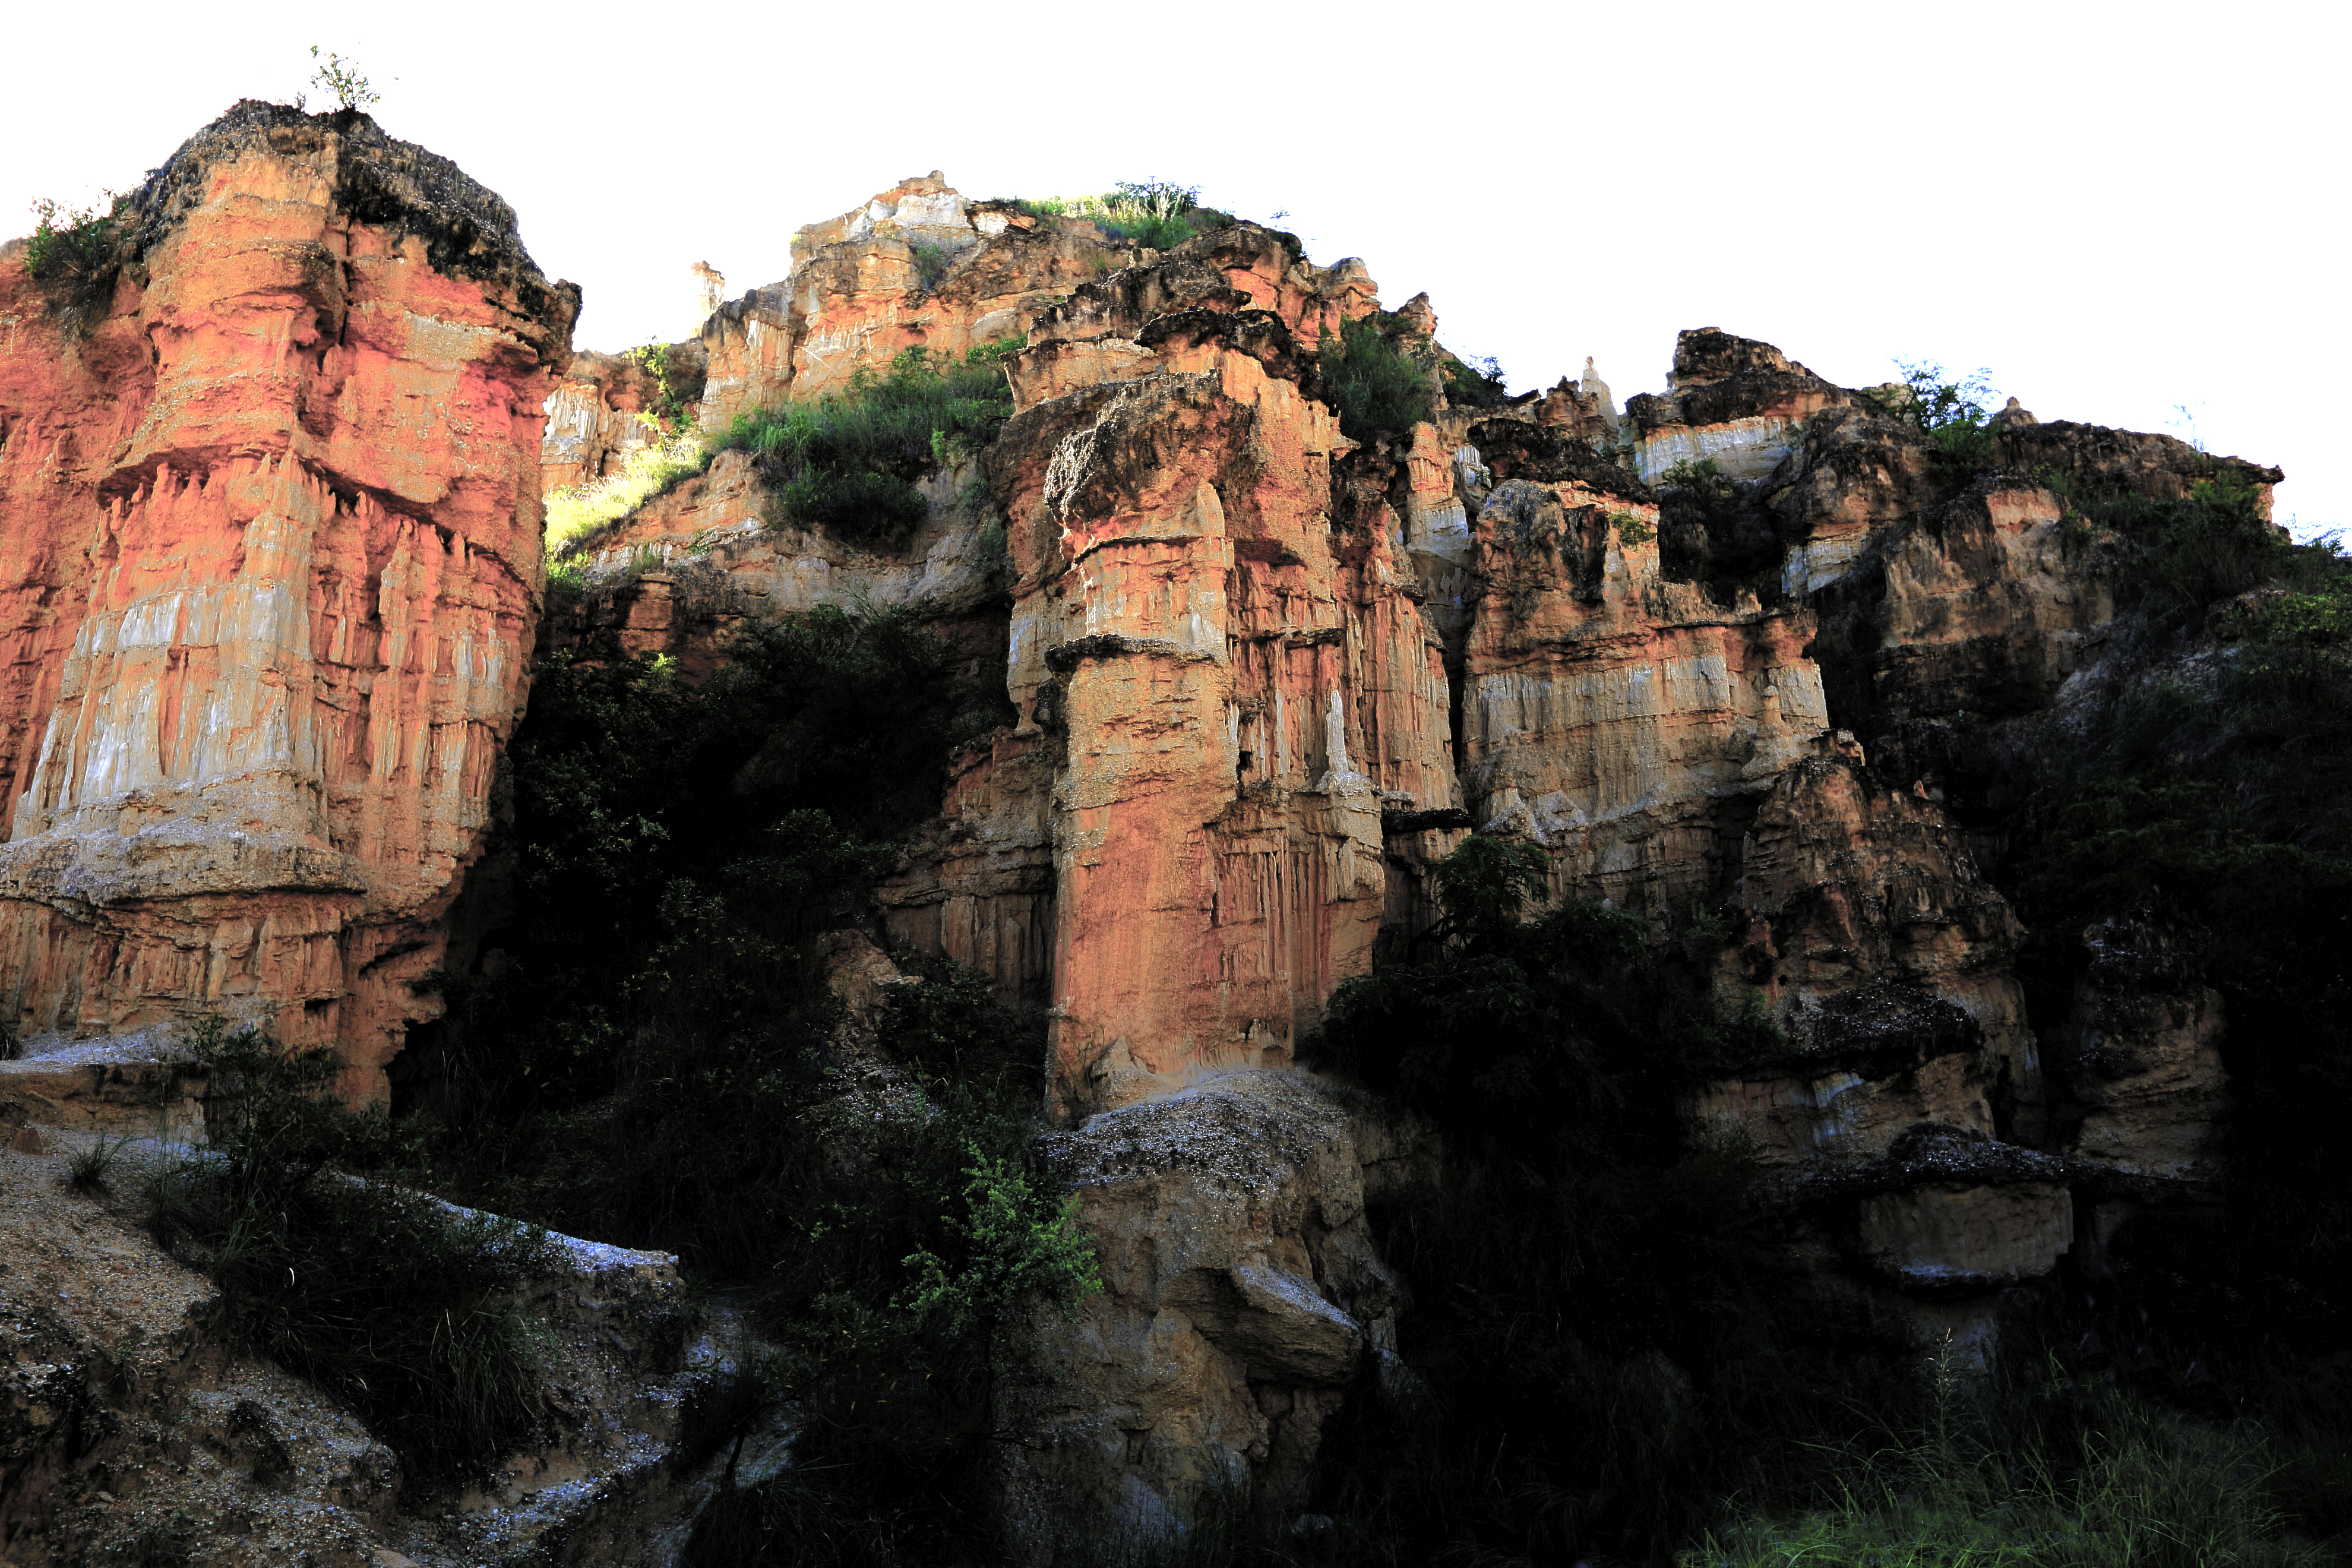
<point>1593,1312</point>
<point>2201,795</point>
<point>655,1059</point>
<point>380,1295</point>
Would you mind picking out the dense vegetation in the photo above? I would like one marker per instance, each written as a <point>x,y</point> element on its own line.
<point>1604,1361</point>
<point>1591,1262</point>
<point>2201,795</point>
<point>656,1060</point>
<point>1611,1373</point>
<point>1377,376</point>
<point>848,462</point>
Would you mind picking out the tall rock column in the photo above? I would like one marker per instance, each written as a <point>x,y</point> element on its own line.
<point>269,559</point>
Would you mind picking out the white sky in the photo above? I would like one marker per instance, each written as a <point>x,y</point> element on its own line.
<point>2117,208</point>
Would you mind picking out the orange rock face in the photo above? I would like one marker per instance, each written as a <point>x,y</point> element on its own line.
<point>1267,674</point>
<point>269,554</point>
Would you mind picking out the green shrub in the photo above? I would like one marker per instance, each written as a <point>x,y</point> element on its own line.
<point>72,244</point>
<point>386,1297</point>
<point>1376,376</point>
<point>931,263</point>
<point>1472,384</point>
<point>848,462</point>
<point>863,501</point>
<point>887,1306</point>
<point>342,77</point>
<point>1154,215</point>
<point>1954,415</point>
<point>671,389</point>
<point>1013,1240</point>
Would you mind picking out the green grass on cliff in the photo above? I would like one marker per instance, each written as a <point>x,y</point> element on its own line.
<point>2135,1486</point>
<point>576,514</point>
<point>849,462</point>
<point>1154,215</point>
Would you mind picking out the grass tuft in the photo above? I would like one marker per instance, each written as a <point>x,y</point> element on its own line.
<point>389,1299</point>
<point>91,1170</point>
<point>2134,1485</point>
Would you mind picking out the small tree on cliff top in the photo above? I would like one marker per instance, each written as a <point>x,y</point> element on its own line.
<point>342,77</point>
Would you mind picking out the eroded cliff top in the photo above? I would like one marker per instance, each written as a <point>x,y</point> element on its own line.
<point>467,230</point>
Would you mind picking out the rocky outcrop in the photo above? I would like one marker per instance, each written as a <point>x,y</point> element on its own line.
<point>270,552</point>
<point>606,407</point>
<point>1240,1294</point>
<point>1732,401</point>
<point>272,563</point>
<point>917,265</point>
<point>130,1424</point>
<point>1268,673</point>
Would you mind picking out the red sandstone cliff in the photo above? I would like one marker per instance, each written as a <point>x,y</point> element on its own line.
<point>269,557</point>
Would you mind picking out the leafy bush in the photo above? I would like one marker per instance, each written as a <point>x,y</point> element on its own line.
<point>1954,415</point>
<point>671,392</point>
<point>1154,215</point>
<point>389,1299</point>
<point>848,462</point>
<point>887,1303</point>
<point>342,77</point>
<point>1377,376</point>
<point>931,263</point>
<point>1473,382</point>
<point>72,244</point>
